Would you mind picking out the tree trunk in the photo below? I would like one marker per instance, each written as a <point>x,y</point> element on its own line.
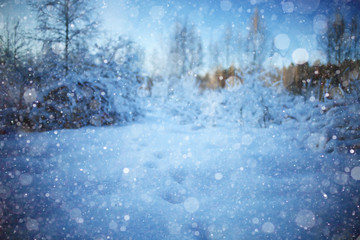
<point>67,38</point>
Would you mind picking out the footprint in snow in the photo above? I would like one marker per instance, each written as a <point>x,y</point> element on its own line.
<point>178,175</point>
<point>150,164</point>
<point>158,155</point>
<point>174,193</point>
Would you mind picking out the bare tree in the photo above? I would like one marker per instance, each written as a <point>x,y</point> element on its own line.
<point>355,34</point>
<point>214,54</point>
<point>14,48</point>
<point>67,23</point>
<point>335,41</point>
<point>177,54</point>
<point>194,51</point>
<point>186,51</point>
<point>228,39</point>
<point>13,43</point>
<point>256,44</point>
<point>239,47</point>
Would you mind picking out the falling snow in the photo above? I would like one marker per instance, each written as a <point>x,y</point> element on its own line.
<point>101,148</point>
<point>300,56</point>
<point>282,41</point>
<point>158,177</point>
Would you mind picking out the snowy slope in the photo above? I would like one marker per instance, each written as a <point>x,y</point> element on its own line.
<point>161,178</point>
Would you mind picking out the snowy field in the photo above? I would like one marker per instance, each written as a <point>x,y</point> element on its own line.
<point>158,178</point>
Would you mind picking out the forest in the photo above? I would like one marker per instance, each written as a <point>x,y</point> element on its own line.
<point>58,76</point>
<point>248,133</point>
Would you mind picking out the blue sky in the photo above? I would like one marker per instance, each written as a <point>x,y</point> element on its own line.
<point>150,22</point>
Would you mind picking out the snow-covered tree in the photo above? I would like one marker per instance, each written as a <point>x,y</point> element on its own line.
<point>118,65</point>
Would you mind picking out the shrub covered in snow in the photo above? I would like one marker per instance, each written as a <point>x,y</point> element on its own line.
<point>72,105</point>
<point>103,91</point>
<point>118,65</point>
<point>252,103</point>
<point>327,126</point>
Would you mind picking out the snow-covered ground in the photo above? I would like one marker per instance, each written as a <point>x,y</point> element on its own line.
<point>160,178</point>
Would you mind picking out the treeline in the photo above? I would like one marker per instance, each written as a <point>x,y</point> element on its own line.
<point>318,81</point>
<point>340,75</point>
<point>56,76</point>
<point>321,80</point>
<point>334,78</point>
<point>187,56</point>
